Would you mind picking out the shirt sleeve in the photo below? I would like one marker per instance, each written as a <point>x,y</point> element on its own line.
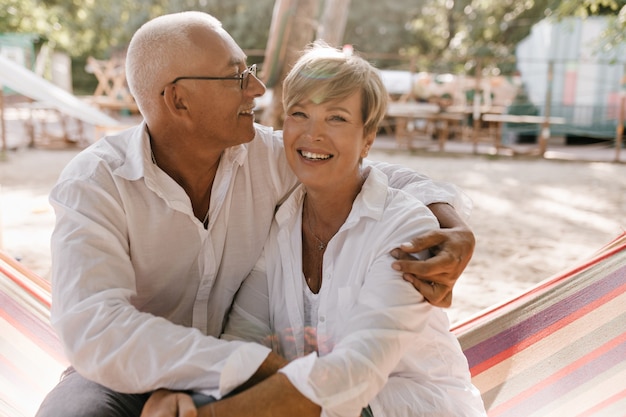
<point>106,338</point>
<point>384,322</point>
<point>401,397</point>
<point>249,318</point>
<point>425,189</point>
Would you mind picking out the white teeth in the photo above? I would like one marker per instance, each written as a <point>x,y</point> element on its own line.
<point>311,155</point>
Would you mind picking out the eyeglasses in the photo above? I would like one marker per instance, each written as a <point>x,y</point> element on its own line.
<point>244,78</point>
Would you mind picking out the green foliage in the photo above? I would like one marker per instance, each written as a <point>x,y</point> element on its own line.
<point>587,8</point>
<point>435,35</point>
<point>444,35</point>
<point>379,26</point>
<point>615,33</point>
<point>103,27</point>
<point>489,31</point>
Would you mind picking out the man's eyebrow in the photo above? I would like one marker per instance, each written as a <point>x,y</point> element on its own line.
<point>238,61</point>
<point>232,63</point>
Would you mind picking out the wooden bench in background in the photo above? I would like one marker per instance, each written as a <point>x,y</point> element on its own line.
<point>112,92</point>
<point>496,121</point>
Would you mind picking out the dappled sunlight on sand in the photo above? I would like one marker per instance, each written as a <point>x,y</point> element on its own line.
<point>532,218</point>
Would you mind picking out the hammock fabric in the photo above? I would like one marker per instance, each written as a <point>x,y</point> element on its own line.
<point>558,349</point>
<point>31,358</point>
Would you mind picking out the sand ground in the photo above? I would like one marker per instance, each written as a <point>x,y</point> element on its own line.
<point>532,217</point>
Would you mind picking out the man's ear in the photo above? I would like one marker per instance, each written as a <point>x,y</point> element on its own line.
<point>174,99</point>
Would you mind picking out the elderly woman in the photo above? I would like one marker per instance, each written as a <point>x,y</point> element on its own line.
<point>358,338</point>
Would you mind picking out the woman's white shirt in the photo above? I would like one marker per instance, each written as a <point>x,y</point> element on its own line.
<point>379,342</point>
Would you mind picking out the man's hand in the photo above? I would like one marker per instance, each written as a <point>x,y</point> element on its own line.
<point>269,367</point>
<point>275,396</point>
<point>434,278</point>
<point>165,403</point>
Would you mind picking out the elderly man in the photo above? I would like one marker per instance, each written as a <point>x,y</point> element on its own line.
<point>158,226</point>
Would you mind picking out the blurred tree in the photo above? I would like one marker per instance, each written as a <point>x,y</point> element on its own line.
<point>380,27</point>
<point>333,21</point>
<point>436,35</point>
<point>292,29</point>
<point>443,35</point>
<point>104,27</point>
<point>615,33</point>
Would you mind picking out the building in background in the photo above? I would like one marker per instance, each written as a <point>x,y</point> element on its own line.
<point>562,63</point>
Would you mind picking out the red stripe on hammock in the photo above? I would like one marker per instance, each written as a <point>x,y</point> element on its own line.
<point>557,377</point>
<point>542,287</point>
<point>34,285</point>
<point>32,327</point>
<point>538,336</point>
<point>606,403</point>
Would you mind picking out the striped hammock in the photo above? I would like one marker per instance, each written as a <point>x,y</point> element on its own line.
<point>558,349</point>
<point>31,358</point>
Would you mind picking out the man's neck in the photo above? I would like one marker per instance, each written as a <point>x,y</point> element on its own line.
<point>194,171</point>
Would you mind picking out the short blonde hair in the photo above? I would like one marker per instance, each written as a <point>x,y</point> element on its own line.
<point>160,46</point>
<point>324,73</point>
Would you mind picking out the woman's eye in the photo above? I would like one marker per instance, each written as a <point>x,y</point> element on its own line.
<point>337,118</point>
<point>298,114</point>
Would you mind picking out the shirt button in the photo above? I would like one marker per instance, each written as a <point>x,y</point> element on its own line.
<point>322,319</point>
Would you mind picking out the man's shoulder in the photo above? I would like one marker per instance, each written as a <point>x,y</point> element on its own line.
<point>268,135</point>
<point>110,151</point>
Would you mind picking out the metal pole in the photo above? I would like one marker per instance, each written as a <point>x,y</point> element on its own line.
<point>545,126</point>
<point>619,133</point>
<point>2,125</point>
<point>476,113</point>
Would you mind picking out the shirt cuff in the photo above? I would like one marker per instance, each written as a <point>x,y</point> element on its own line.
<point>298,372</point>
<point>239,367</point>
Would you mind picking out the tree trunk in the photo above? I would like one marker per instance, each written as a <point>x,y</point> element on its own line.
<point>293,28</point>
<point>333,24</point>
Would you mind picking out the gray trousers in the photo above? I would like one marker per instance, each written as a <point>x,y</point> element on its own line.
<point>75,396</point>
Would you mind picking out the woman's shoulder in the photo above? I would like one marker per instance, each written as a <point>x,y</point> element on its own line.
<point>395,214</point>
<point>397,201</point>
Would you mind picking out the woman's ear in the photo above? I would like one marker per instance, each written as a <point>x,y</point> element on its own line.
<point>369,140</point>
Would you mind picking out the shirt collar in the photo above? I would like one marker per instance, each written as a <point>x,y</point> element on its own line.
<point>138,160</point>
<point>138,155</point>
<point>370,202</point>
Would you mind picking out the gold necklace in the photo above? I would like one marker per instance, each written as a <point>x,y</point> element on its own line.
<point>320,244</point>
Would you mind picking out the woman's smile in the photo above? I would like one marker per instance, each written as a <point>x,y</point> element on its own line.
<point>314,156</point>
